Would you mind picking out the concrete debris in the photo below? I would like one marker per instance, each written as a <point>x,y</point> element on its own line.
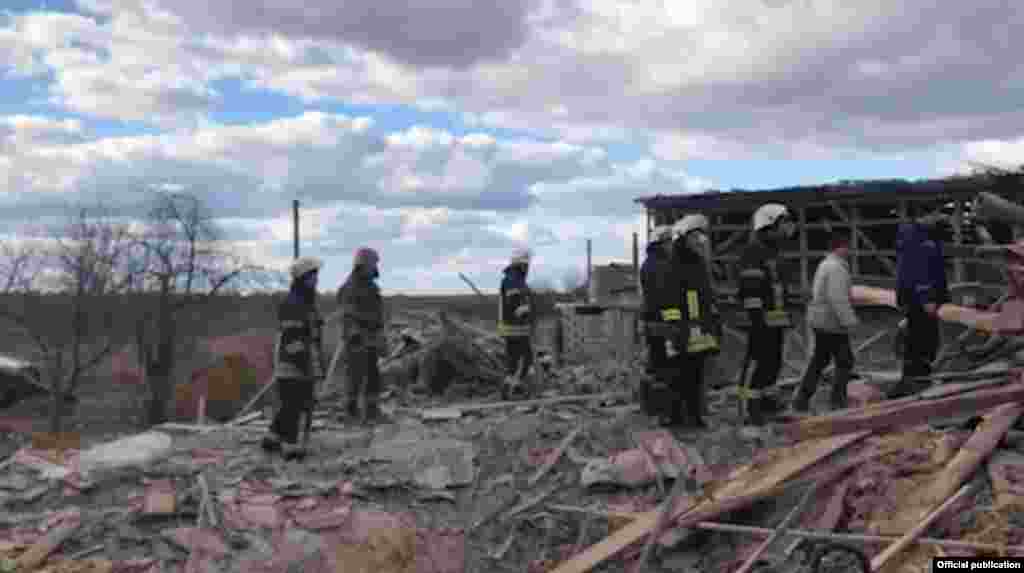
<point>659,454</point>
<point>136,451</point>
<point>432,464</point>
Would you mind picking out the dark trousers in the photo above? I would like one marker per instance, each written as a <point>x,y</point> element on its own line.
<point>690,389</point>
<point>362,373</point>
<point>828,347</point>
<point>921,345</point>
<point>657,355</point>
<point>764,362</point>
<point>517,349</point>
<point>296,396</point>
<point>764,348</point>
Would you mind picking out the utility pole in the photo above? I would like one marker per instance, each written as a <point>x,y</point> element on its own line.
<point>589,270</point>
<point>295,226</point>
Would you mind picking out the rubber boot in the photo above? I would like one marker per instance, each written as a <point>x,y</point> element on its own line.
<point>271,442</point>
<point>352,408</point>
<point>696,405</point>
<point>755,412</point>
<point>802,397</point>
<point>839,387</point>
<point>373,413</point>
<point>290,451</point>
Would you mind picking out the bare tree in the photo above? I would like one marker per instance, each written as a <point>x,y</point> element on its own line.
<point>67,305</point>
<point>181,260</point>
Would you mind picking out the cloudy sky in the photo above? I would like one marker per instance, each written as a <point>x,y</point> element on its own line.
<point>446,132</point>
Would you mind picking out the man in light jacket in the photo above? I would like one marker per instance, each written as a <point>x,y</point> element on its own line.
<point>830,315</point>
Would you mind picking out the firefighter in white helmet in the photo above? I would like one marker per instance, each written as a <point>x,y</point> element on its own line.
<point>362,327</point>
<point>298,360</point>
<point>516,320</point>
<point>763,296</point>
<point>657,281</point>
<point>698,335</point>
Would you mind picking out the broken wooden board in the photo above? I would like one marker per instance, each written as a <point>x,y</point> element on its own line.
<point>1006,471</point>
<point>748,484</point>
<point>969,317</point>
<point>967,460</point>
<point>890,555</point>
<point>905,412</point>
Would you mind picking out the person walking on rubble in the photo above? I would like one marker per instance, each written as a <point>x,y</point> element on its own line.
<point>697,338</point>
<point>831,317</point>
<point>762,292</point>
<point>362,332</point>
<point>660,313</point>
<point>921,288</point>
<point>515,319</point>
<point>298,360</point>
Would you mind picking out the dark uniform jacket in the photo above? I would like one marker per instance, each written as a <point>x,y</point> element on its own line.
<point>659,280</point>
<point>921,268</point>
<point>762,289</point>
<point>299,353</point>
<point>696,303</point>
<point>362,308</point>
<point>515,296</point>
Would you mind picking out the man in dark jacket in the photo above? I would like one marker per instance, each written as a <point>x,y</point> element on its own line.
<point>298,360</point>
<point>921,288</point>
<point>659,282</point>
<point>362,328</point>
<point>515,319</point>
<point>698,338</point>
<point>763,296</point>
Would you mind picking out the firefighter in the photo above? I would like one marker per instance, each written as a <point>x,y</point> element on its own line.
<point>515,320</point>
<point>921,288</point>
<point>658,282</point>
<point>362,329</point>
<point>698,338</point>
<point>299,360</point>
<point>762,293</point>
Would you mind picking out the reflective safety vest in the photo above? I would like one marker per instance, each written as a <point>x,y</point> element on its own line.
<point>762,293</point>
<point>700,338</point>
<point>515,314</point>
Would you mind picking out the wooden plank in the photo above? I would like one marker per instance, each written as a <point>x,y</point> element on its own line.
<point>744,489</point>
<point>794,514</point>
<point>1006,471</point>
<point>555,456</point>
<point>885,557</point>
<point>905,412</point>
<point>967,460</point>
<point>969,317</point>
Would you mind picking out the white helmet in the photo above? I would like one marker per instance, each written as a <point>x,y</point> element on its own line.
<point>520,257</point>
<point>768,214</point>
<point>694,222</point>
<point>303,265</point>
<point>661,233</point>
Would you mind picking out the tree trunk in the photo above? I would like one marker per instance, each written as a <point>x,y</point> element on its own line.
<point>160,368</point>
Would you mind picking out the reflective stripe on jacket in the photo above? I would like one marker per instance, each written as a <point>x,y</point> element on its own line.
<point>362,309</point>
<point>299,349</point>
<point>515,300</point>
<point>762,291</point>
